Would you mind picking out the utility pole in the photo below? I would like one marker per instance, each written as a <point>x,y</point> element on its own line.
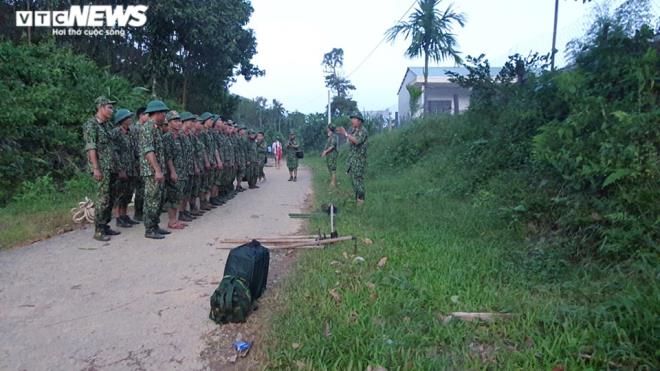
<point>329,120</point>
<point>554,38</point>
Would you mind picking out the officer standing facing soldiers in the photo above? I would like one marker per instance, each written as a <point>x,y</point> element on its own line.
<point>177,182</point>
<point>190,159</point>
<point>263,155</point>
<point>138,203</point>
<point>330,153</point>
<point>253,155</point>
<point>154,169</point>
<point>126,166</point>
<point>291,158</point>
<point>357,159</point>
<point>241,139</point>
<point>101,156</point>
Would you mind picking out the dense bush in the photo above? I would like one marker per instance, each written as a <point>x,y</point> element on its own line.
<point>47,93</point>
<point>585,140</point>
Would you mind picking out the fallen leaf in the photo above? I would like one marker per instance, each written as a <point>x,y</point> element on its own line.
<point>345,255</point>
<point>371,285</point>
<point>326,330</point>
<point>296,346</point>
<point>334,263</point>
<point>382,262</point>
<point>406,319</point>
<point>335,295</point>
<point>374,296</point>
<point>454,299</point>
<point>368,241</point>
<point>232,359</point>
<point>301,365</point>
<point>376,368</point>
<point>358,259</point>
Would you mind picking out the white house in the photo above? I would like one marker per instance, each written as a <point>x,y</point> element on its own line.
<point>443,95</point>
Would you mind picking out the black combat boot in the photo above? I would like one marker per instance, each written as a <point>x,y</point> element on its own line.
<point>162,231</point>
<point>128,219</point>
<point>153,234</point>
<point>110,232</point>
<point>122,223</point>
<point>99,234</point>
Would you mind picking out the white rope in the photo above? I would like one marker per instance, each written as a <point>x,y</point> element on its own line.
<point>84,212</point>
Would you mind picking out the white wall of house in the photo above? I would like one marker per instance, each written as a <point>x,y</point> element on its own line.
<point>404,97</point>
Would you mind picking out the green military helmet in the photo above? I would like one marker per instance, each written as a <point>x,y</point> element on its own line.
<point>204,116</point>
<point>156,106</point>
<point>230,122</point>
<point>251,132</point>
<point>103,100</point>
<point>121,115</point>
<point>187,116</point>
<point>172,115</point>
<point>357,115</point>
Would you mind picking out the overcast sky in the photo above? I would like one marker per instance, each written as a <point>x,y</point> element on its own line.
<point>293,35</point>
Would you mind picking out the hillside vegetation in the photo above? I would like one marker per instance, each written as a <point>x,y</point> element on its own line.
<point>541,202</point>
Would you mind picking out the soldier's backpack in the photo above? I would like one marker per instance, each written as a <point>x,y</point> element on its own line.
<point>231,301</point>
<point>250,262</point>
<point>300,154</point>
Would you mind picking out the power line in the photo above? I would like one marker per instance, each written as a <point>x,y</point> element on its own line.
<point>380,42</point>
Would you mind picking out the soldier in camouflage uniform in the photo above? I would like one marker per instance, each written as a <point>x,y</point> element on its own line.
<point>126,167</point>
<point>190,159</point>
<point>357,159</point>
<point>138,204</point>
<point>291,159</point>
<point>263,155</point>
<point>330,153</point>
<point>253,156</point>
<point>209,148</point>
<point>203,166</point>
<point>217,193</point>
<point>177,182</point>
<point>229,160</point>
<point>216,163</point>
<point>153,168</point>
<point>101,154</point>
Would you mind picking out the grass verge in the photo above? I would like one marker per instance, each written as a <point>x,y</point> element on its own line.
<point>42,209</point>
<point>447,253</point>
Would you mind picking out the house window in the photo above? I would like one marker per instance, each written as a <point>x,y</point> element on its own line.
<point>440,106</point>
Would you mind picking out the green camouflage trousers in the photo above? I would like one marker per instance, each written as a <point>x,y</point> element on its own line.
<point>356,173</point>
<point>105,199</point>
<point>139,195</point>
<point>153,198</point>
<point>124,189</point>
<point>196,186</point>
<point>252,174</point>
<point>331,161</point>
<point>175,193</point>
<point>240,174</point>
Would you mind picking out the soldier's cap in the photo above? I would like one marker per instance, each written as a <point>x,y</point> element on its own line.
<point>219,118</point>
<point>230,122</point>
<point>357,115</point>
<point>121,115</point>
<point>332,128</point>
<point>156,106</point>
<point>205,116</point>
<point>251,132</point>
<point>172,115</point>
<point>103,100</point>
<point>242,128</point>
<point>261,132</point>
<point>187,116</point>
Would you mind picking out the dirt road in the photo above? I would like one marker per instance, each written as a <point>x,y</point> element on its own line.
<point>72,303</point>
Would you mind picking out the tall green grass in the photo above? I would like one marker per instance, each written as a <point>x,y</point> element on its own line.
<point>451,247</point>
<point>41,209</point>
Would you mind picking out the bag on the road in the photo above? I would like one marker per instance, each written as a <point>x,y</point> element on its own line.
<point>231,301</point>
<point>250,262</point>
<point>300,154</point>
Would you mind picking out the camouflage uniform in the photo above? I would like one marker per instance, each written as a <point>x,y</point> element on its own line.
<point>240,160</point>
<point>263,157</point>
<point>210,145</point>
<point>175,191</point>
<point>189,160</point>
<point>199,159</point>
<point>220,147</point>
<point>229,161</point>
<point>138,203</point>
<point>253,168</point>
<point>291,159</point>
<point>126,163</point>
<point>331,158</point>
<point>357,160</point>
<point>99,136</point>
<point>151,140</point>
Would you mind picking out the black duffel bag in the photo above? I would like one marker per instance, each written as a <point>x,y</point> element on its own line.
<point>250,262</point>
<point>300,154</point>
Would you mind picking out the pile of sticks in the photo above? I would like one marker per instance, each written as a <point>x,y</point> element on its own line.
<point>287,242</point>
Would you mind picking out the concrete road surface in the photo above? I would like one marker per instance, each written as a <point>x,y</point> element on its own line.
<point>73,303</point>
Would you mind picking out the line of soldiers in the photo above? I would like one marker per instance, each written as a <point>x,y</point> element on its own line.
<point>182,163</point>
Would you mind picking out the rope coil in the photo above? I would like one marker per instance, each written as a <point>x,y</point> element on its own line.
<point>84,212</point>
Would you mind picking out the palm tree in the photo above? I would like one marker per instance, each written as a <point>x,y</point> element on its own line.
<point>430,33</point>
